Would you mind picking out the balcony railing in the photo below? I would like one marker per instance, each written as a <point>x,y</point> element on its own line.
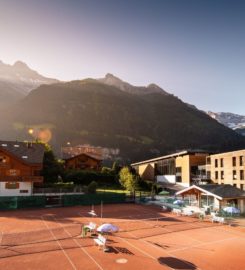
<point>201,176</point>
<point>55,190</point>
<point>14,178</point>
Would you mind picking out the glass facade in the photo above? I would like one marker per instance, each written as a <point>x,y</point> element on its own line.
<point>165,167</point>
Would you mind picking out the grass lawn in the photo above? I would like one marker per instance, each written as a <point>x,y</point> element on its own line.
<point>143,193</point>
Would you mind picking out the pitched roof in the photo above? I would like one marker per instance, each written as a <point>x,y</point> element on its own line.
<point>69,156</point>
<point>219,191</point>
<point>224,191</point>
<point>28,152</point>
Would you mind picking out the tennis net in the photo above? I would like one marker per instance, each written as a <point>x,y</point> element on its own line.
<point>39,236</point>
<point>141,228</point>
<point>39,241</point>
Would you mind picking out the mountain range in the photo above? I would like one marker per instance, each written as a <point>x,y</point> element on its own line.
<point>231,120</point>
<point>140,122</point>
<point>17,80</point>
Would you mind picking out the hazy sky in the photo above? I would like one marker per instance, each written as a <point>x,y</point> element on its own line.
<point>194,49</point>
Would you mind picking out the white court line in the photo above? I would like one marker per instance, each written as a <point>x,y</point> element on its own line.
<point>148,255</point>
<point>204,244</point>
<point>223,228</point>
<point>169,254</point>
<point>1,238</point>
<point>78,244</point>
<point>58,242</point>
<point>140,250</point>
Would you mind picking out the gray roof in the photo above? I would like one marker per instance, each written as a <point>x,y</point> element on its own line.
<point>182,153</point>
<point>224,191</point>
<point>28,152</point>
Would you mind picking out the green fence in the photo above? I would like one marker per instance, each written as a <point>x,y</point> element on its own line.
<point>89,199</point>
<point>18,202</point>
<point>15,202</point>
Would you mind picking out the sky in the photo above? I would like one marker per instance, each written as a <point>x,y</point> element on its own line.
<point>194,49</point>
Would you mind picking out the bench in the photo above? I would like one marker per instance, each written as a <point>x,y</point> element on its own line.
<point>100,241</point>
<point>187,212</point>
<point>176,211</point>
<point>218,219</point>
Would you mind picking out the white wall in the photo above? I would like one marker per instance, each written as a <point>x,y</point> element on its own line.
<point>166,179</point>
<point>183,184</point>
<point>16,192</point>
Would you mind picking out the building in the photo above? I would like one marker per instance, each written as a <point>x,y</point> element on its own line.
<point>72,151</point>
<point>227,168</point>
<point>214,197</point>
<point>20,166</point>
<point>183,168</point>
<point>83,162</point>
<point>96,151</point>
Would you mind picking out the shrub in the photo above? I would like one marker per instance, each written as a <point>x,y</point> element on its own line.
<point>92,187</point>
<point>82,177</point>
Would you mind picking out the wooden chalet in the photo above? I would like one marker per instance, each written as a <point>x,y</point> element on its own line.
<point>83,161</point>
<point>20,166</point>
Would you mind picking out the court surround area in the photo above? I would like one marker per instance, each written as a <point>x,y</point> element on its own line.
<point>148,238</point>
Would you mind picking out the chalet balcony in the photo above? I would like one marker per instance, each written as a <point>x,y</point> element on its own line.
<point>36,179</point>
<point>58,191</point>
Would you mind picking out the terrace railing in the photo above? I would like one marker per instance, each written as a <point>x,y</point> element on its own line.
<point>56,190</point>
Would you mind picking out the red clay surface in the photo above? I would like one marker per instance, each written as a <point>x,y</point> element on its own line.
<point>171,242</point>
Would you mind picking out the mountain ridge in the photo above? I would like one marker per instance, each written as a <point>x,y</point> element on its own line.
<point>17,80</point>
<point>139,125</point>
<point>112,80</point>
<point>231,120</point>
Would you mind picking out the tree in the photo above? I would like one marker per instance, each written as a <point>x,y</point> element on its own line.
<point>115,167</point>
<point>52,168</point>
<point>128,180</point>
<point>92,187</point>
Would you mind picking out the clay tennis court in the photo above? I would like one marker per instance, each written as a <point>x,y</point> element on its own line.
<point>147,239</point>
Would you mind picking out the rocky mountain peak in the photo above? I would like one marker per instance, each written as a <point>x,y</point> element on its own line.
<point>112,80</point>
<point>20,65</point>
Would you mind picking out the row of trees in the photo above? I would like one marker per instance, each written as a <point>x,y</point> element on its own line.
<point>116,176</point>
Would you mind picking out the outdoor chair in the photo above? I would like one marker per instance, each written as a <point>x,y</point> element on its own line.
<point>89,228</point>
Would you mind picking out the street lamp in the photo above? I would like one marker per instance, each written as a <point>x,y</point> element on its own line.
<point>31,131</point>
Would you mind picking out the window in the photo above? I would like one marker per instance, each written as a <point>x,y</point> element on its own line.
<point>222,174</point>
<point>178,179</point>
<point>242,187</point>
<point>23,191</point>
<point>234,185</point>
<point>208,173</point>
<point>208,161</point>
<point>3,159</point>
<point>216,175</point>
<point>13,172</point>
<point>178,169</point>
<point>37,172</point>
<point>12,185</point>
<point>234,174</point>
<point>221,162</point>
<point>165,167</point>
<point>234,161</point>
<point>241,175</point>
<point>241,160</point>
<point>216,163</point>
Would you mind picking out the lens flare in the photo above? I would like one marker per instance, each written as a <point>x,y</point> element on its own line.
<point>44,135</point>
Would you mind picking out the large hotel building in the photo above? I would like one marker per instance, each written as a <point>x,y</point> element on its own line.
<point>227,168</point>
<point>195,167</point>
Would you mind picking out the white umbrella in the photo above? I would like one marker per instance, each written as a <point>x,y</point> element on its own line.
<point>178,202</point>
<point>232,210</point>
<point>107,227</point>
